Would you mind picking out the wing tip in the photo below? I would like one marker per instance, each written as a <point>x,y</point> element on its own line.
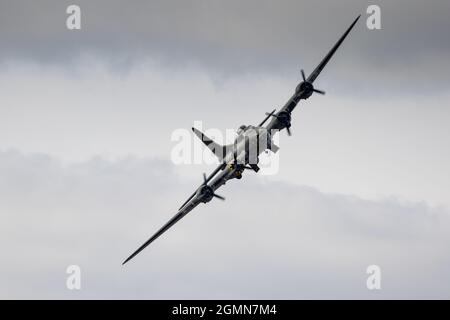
<point>128,259</point>
<point>134,254</point>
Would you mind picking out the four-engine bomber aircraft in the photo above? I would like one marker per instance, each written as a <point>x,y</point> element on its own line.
<point>250,142</point>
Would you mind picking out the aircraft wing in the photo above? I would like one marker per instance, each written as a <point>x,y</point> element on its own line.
<point>181,213</point>
<point>327,58</point>
<point>192,202</point>
<point>276,123</point>
<point>298,95</point>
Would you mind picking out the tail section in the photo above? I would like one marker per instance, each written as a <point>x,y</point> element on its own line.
<point>217,149</point>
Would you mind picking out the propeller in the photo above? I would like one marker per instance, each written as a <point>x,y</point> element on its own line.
<point>207,191</point>
<point>268,115</point>
<point>303,75</point>
<point>305,89</point>
<point>288,130</point>
<point>212,175</point>
<point>218,197</point>
<point>285,118</point>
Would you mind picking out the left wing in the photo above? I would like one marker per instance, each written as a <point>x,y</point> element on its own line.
<point>282,118</point>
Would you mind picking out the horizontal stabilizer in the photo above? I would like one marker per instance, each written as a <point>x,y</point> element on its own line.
<point>274,148</point>
<point>217,149</point>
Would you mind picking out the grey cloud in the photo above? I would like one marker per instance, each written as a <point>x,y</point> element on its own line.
<point>95,212</point>
<point>235,36</point>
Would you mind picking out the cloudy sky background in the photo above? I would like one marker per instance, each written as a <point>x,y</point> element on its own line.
<point>85,172</point>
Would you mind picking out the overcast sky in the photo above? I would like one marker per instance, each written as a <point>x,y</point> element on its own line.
<point>85,141</point>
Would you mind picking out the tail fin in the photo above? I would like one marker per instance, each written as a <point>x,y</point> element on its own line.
<point>217,149</point>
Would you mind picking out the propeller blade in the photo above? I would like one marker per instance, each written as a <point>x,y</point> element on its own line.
<point>288,131</point>
<point>205,181</point>
<point>212,175</point>
<point>319,91</point>
<point>268,115</point>
<point>303,75</point>
<point>218,197</point>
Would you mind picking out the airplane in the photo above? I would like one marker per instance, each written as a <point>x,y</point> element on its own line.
<point>250,142</point>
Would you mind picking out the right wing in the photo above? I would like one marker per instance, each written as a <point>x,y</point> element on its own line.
<point>166,227</point>
<point>220,167</point>
<point>187,207</point>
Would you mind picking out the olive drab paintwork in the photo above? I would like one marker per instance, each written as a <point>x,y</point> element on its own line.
<point>250,142</point>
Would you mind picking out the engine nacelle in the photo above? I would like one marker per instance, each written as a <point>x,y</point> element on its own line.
<point>285,118</point>
<point>305,88</point>
<point>205,193</point>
